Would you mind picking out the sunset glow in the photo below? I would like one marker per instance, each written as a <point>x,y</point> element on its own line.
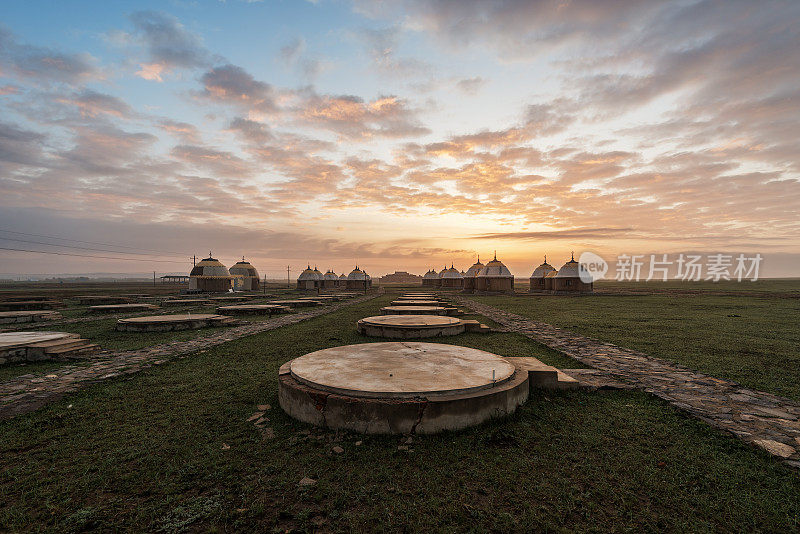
<point>398,135</point>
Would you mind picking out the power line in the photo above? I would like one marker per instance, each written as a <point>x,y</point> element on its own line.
<point>85,242</point>
<point>79,248</point>
<point>89,256</point>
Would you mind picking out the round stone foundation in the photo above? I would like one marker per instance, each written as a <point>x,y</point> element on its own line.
<point>415,310</point>
<point>400,387</point>
<point>416,303</point>
<point>252,309</point>
<point>297,303</point>
<point>410,326</point>
<point>122,308</point>
<point>167,323</point>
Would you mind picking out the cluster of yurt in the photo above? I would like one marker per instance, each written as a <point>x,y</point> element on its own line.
<point>211,276</point>
<point>312,280</point>
<point>546,279</point>
<point>495,277</point>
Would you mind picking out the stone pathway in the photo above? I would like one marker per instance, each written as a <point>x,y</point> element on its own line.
<point>27,393</point>
<point>766,420</point>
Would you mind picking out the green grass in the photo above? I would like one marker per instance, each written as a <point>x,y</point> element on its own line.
<point>750,339</point>
<point>145,453</point>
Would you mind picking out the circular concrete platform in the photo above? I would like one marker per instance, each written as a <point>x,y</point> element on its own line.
<point>252,309</point>
<point>415,310</point>
<point>185,302</point>
<point>166,323</point>
<point>416,303</point>
<point>297,303</point>
<point>121,308</point>
<point>29,316</point>
<point>410,326</point>
<point>400,387</point>
<point>18,339</point>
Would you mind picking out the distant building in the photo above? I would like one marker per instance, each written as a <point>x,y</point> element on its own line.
<point>330,280</point>
<point>245,277</point>
<point>429,279</point>
<point>210,275</point>
<point>452,279</point>
<point>400,277</point>
<point>494,278</point>
<point>358,279</point>
<point>469,276</point>
<point>309,280</point>
<point>568,279</point>
<point>540,275</point>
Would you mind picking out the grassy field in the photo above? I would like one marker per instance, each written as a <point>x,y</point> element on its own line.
<point>169,449</point>
<point>752,339</point>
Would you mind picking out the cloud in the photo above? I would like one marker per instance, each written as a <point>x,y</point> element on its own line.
<point>470,86</point>
<point>167,44</point>
<point>44,65</point>
<point>230,84</point>
<point>219,162</point>
<point>91,104</point>
<point>186,132</point>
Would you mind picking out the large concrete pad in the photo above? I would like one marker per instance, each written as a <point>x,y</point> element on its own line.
<point>410,326</point>
<point>415,303</point>
<point>297,303</point>
<point>400,388</point>
<point>166,323</point>
<point>19,339</point>
<point>415,310</point>
<point>28,316</point>
<point>252,309</point>
<point>401,370</point>
<point>185,302</point>
<point>122,308</point>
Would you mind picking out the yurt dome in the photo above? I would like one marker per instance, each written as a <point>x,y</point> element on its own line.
<point>330,275</point>
<point>210,275</point>
<point>307,275</point>
<point>210,268</point>
<point>543,270</point>
<point>319,274</point>
<point>451,273</point>
<point>245,277</point>
<point>475,269</point>
<point>342,277</point>
<point>571,269</point>
<point>495,269</point>
<point>431,275</point>
<point>243,268</point>
<point>357,274</point>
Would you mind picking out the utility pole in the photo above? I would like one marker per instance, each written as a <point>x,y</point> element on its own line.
<point>288,280</point>
<point>194,260</point>
<point>154,279</point>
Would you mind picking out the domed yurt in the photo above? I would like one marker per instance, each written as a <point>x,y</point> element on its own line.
<point>568,279</point>
<point>429,279</point>
<point>540,275</point>
<point>245,276</point>
<point>452,279</point>
<point>309,279</point>
<point>469,277</point>
<point>358,279</point>
<point>330,280</point>
<point>494,278</point>
<point>210,275</point>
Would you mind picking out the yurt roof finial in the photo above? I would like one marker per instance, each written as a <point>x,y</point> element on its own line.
<point>545,258</point>
<point>573,256</point>
<point>495,255</point>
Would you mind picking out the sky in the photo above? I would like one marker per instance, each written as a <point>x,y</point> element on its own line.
<point>396,135</point>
